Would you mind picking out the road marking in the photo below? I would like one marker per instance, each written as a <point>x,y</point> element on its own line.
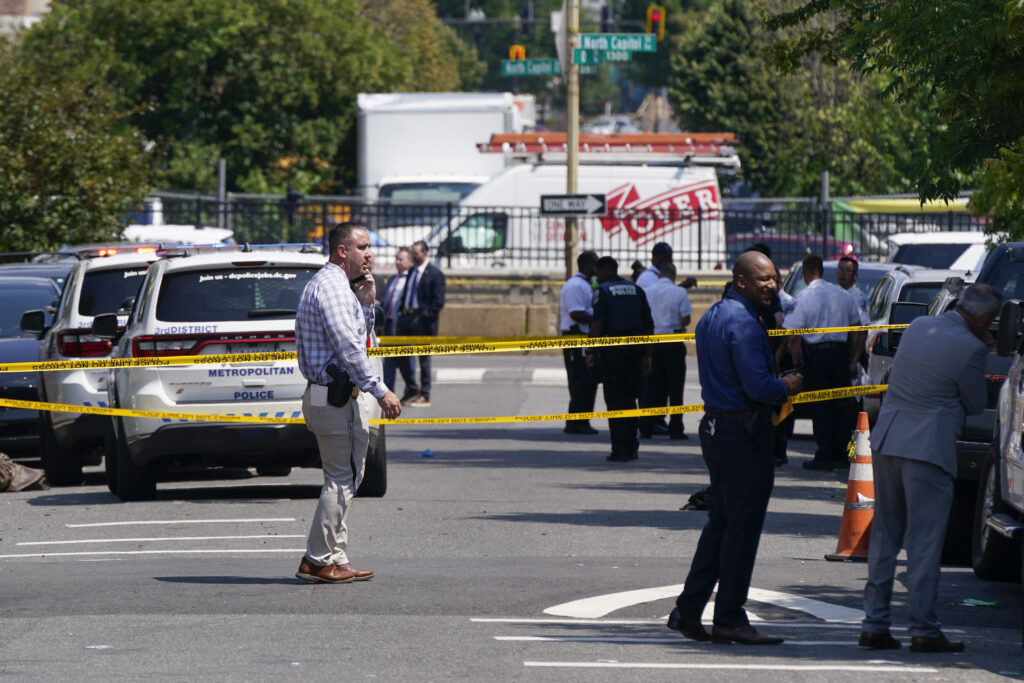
<point>159,538</point>
<point>636,639</point>
<point>223,551</point>
<point>549,376</point>
<point>879,668</point>
<point>661,622</point>
<point>182,521</point>
<point>459,375</point>
<point>600,605</point>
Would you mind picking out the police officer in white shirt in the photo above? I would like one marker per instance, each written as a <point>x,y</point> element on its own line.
<point>825,359</point>
<point>661,254</point>
<point>671,310</point>
<point>575,312</point>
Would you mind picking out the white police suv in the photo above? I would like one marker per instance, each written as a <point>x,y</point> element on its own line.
<point>103,280</point>
<point>230,300</point>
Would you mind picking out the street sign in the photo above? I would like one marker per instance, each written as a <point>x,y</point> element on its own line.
<point>530,67</point>
<point>573,205</point>
<point>584,56</point>
<point>630,42</point>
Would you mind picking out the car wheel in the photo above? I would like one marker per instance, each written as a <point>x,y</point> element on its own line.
<point>273,470</point>
<point>110,456</point>
<point>375,472</point>
<point>63,468</point>
<point>956,546</point>
<point>134,482</point>
<point>991,549</point>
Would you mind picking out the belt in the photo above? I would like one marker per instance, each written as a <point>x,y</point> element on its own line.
<point>735,415</point>
<point>408,311</point>
<point>355,390</point>
<point>828,345</point>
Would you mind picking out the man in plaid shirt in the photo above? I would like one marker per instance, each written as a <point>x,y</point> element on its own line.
<point>334,326</point>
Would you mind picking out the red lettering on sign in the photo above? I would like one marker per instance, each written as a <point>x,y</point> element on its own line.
<point>644,220</point>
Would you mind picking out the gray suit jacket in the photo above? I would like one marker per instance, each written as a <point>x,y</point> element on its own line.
<point>938,377</point>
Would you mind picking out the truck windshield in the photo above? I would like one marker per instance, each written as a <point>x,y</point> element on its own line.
<point>422,203</point>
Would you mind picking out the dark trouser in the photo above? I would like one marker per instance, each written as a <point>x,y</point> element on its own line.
<point>665,384</point>
<point>391,364</point>
<point>783,433</point>
<point>742,475</point>
<point>416,325</point>
<point>621,375</point>
<point>582,388</point>
<point>828,367</point>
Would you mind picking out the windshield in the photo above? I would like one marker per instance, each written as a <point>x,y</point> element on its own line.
<point>929,255</point>
<point>103,291</point>
<point>231,294</point>
<point>419,203</point>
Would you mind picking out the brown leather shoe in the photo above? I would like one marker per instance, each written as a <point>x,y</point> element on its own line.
<point>878,641</point>
<point>326,574</point>
<point>940,644</point>
<point>688,626</point>
<point>357,574</point>
<point>746,635</point>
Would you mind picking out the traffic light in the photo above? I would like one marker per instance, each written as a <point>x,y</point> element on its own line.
<point>656,20</point>
<point>527,18</point>
<point>517,52</point>
<point>607,20</point>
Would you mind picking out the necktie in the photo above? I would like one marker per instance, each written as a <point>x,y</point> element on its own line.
<point>390,311</point>
<point>410,288</point>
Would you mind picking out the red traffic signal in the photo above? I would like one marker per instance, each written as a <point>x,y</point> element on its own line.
<point>656,20</point>
<point>517,52</point>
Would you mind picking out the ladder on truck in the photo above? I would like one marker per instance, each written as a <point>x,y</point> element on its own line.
<point>706,149</point>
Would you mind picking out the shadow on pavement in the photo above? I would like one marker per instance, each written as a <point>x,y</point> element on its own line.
<point>232,580</point>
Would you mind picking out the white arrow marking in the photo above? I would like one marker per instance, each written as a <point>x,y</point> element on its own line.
<point>601,605</point>
<point>593,204</point>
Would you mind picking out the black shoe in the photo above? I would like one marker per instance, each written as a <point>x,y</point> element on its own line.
<point>688,626</point>
<point>659,429</point>
<point>620,457</point>
<point>579,429</point>
<point>940,644</point>
<point>822,465</point>
<point>681,436</point>
<point>878,641</point>
<point>747,635</point>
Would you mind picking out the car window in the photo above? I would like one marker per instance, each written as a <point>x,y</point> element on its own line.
<point>231,294</point>
<point>878,307</point>
<point>15,299</point>
<point>919,293</point>
<point>103,291</point>
<point>480,232</point>
<point>929,255</point>
<point>1011,281</point>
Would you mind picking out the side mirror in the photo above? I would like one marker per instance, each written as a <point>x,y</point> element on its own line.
<point>126,306</point>
<point>902,313</point>
<point>104,326</point>
<point>33,322</point>
<point>1008,335</point>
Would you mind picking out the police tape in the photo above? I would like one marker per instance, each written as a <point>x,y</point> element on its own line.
<point>557,283</point>
<point>441,349</point>
<point>807,397</point>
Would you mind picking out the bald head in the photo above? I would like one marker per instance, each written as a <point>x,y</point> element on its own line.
<point>753,277</point>
<point>748,261</point>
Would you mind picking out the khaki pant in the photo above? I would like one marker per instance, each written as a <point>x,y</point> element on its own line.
<point>342,435</point>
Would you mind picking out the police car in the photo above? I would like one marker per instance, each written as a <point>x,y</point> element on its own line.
<point>231,300</point>
<point>100,281</point>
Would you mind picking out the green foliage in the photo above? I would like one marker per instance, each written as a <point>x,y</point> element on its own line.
<point>964,59</point>
<point>269,86</point>
<point>70,169</point>
<point>792,126</point>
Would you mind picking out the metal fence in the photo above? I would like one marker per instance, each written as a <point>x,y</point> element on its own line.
<point>517,238</point>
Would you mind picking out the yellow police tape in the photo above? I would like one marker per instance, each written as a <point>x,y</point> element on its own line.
<point>807,397</point>
<point>558,283</point>
<point>487,345</point>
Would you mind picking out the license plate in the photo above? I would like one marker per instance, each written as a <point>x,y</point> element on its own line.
<point>261,347</point>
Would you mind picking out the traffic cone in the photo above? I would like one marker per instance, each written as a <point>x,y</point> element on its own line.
<point>855,531</point>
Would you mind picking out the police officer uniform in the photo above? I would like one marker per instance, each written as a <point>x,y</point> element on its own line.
<point>621,309</point>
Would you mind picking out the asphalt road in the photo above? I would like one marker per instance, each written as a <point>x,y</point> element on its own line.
<point>513,553</point>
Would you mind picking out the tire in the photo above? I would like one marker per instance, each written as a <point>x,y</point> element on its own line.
<point>956,547</point>
<point>990,549</point>
<point>273,470</point>
<point>110,457</point>
<point>63,468</point>
<point>134,482</point>
<point>375,472</point>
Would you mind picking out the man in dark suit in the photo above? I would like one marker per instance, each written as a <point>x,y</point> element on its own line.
<point>421,304</point>
<point>392,304</point>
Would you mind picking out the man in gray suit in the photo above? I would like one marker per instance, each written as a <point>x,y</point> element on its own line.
<point>937,377</point>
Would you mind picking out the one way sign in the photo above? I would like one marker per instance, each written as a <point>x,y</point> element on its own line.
<point>572,205</point>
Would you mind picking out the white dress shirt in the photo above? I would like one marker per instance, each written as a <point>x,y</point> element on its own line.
<point>669,305</point>
<point>577,295</point>
<point>823,304</point>
<point>648,278</point>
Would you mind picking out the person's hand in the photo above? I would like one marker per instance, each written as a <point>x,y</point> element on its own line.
<point>688,282</point>
<point>795,382</point>
<point>390,405</point>
<point>366,289</point>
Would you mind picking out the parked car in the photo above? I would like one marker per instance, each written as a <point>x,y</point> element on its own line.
<point>955,250</point>
<point>869,274</point>
<point>19,427</point>
<point>610,125</point>
<point>96,284</point>
<point>193,302</point>
<point>787,248</point>
<point>902,283</point>
<point>58,272</point>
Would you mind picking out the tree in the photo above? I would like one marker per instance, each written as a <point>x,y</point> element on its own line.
<point>965,59</point>
<point>792,126</point>
<point>270,86</point>
<point>70,167</point>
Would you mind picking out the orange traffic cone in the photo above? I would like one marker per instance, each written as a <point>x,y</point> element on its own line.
<point>859,510</point>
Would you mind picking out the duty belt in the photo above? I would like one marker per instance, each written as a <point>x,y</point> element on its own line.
<point>735,415</point>
<point>355,390</point>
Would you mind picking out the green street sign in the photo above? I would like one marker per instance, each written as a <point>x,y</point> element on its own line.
<point>629,42</point>
<point>530,67</point>
<point>583,56</point>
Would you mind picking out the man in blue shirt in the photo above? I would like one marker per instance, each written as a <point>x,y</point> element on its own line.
<point>739,387</point>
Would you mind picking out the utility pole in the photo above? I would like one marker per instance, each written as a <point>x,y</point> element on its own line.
<point>572,36</point>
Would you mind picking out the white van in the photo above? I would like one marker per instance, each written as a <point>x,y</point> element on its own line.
<point>499,224</point>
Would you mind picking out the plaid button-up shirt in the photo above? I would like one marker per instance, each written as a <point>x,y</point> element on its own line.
<point>331,327</point>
